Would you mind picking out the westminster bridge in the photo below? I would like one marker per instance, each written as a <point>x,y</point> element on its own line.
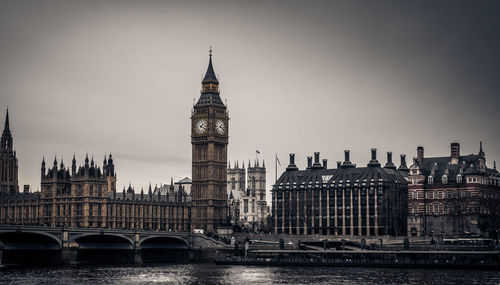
<point>63,245</point>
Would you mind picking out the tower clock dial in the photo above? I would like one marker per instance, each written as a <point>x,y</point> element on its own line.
<point>220,127</point>
<point>201,126</point>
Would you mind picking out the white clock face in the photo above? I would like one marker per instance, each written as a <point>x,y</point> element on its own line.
<point>201,126</point>
<point>220,127</point>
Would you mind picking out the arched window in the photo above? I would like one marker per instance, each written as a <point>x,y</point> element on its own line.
<point>430,180</point>
<point>253,183</point>
<point>445,179</point>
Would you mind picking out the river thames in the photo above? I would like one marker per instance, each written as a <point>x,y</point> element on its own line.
<point>216,274</point>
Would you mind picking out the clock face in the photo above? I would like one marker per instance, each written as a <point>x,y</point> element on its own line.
<point>220,127</point>
<point>201,126</point>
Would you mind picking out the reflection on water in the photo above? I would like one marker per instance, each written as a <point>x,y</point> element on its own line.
<point>215,274</point>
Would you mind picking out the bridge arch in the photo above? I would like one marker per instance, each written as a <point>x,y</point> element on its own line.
<point>102,241</point>
<point>163,242</point>
<point>29,240</point>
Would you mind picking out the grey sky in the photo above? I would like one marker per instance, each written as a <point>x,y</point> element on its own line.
<point>101,76</point>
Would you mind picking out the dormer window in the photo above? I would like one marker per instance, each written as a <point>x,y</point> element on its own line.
<point>430,179</point>
<point>444,179</point>
<point>459,178</point>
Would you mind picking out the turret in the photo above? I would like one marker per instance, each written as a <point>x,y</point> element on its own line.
<point>73,165</point>
<point>43,167</point>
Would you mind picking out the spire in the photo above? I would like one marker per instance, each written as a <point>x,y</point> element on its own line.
<point>6,128</point>
<point>237,166</point>
<point>263,163</point>
<point>210,75</point>
<point>171,181</point>
<point>481,153</point>
<point>87,159</point>
<point>62,164</point>
<point>229,165</point>
<point>495,165</point>
<point>55,162</point>
<point>243,164</point>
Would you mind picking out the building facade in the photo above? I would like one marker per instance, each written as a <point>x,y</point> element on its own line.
<point>209,139</point>
<point>8,161</point>
<point>454,195</point>
<point>347,201</point>
<point>86,196</point>
<point>246,190</point>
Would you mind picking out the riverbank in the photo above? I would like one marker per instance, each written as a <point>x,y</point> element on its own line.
<point>338,258</point>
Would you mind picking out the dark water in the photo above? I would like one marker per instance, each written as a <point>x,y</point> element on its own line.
<point>242,275</point>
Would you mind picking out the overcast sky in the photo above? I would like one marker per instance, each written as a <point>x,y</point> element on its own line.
<point>120,77</point>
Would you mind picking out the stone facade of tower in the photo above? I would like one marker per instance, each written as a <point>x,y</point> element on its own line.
<point>246,190</point>
<point>8,161</point>
<point>209,139</point>
<point>257,185</point>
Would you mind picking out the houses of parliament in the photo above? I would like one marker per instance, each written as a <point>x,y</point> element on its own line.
<point>86,196</point>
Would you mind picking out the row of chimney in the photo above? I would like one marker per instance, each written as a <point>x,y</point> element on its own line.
<point>347,163</point>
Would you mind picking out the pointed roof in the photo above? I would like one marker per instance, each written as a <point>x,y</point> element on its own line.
<point>210,75</point>
<point>6,128</point>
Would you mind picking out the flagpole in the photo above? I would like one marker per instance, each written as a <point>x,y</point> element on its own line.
<point>275,168</point>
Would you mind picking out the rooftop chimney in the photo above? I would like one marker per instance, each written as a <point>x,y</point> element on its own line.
<point>403,166</point>
<point>309,162</point>
<point>455,150</point>
<point>347,163</point>
<point>420,154</point>
<point>389,163</point>
<point>374,161</point>
<point>316,158</point>
<point>26,189</point>
<point>325,163</point>
<point>292,165</point>
<point>339,164</point>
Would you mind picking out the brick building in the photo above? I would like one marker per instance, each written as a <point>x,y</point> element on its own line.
<point>453,195</point>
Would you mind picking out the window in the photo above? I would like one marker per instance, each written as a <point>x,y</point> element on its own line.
<point>415,195</point>
<point>436,195</point>
<point>415,209</point>
<point>445,179</point>
<point>459,178</point>
<point>436,209</point>
<point>245,206</point>
<point>430,180</point>
<point>445,208</point>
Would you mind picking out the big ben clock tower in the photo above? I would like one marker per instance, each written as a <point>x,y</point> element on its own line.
<point>209,139</point>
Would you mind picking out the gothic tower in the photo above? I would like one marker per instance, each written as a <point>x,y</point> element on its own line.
<point>8,161</point>
<point>209,139</point>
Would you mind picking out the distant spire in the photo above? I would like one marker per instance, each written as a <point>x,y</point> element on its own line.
<point>55,161</point>
<point>243,166</point>
<point>74,159</point>
<point>229,165</point>
<point>104,162</point>
<point>263,163</point>
<point>172,181</point>
<point>495,164</point>
<point>237,166</point>
<point>6,128</point>
<point>62,164</point>
<point>87,159</point>
<point>481,153</point>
